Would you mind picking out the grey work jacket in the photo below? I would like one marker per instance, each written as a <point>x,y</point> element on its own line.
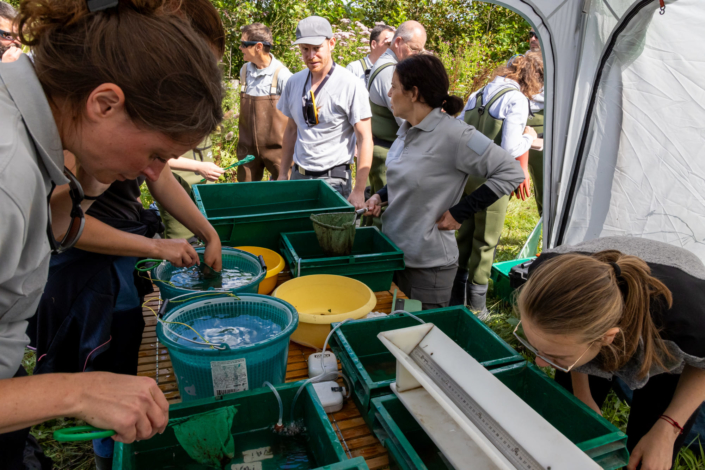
<point>31,157</point>
<point>427,168</point>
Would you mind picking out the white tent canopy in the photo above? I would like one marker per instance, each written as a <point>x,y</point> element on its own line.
<point>625,119</point>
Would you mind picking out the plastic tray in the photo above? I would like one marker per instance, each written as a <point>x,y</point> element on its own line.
<point>254,214</point>
<point>500,278</point>
<point>373,260</point>
<point>256,410</point>
<point>410,448</point>
<point>371,368</point>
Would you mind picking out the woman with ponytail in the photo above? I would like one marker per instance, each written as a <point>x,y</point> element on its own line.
<point>629,308</point>
<point>124,87</point>
<point>500,111</point>
<point>427,168</point>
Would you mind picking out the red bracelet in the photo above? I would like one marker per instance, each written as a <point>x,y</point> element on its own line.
<point>672,422</point>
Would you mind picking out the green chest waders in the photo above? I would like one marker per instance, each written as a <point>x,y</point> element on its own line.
<point>172,227</point>
<point>384,133</point>
<point>478,236</point>
<point>536,161</point>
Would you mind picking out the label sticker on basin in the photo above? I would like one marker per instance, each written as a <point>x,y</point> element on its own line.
<point>229,376</point>
<point>246,466</point>
<point>255,455</point>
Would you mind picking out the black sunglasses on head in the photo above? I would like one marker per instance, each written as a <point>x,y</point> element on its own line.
<point>254,43</point>
<point>533,35</point>
<point>75,229</point>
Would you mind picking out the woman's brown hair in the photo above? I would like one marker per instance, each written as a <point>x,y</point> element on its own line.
<point>575,294</point>
<point>166,70</point>
<point>527,71</point>
<point>206,21</point>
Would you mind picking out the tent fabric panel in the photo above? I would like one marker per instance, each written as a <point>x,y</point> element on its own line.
<point>643,169</point>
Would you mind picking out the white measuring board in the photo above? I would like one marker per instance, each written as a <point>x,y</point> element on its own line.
<point>495,421</point>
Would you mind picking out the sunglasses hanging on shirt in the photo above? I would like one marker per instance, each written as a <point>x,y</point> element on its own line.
<point>75,228</point>
<point>309,99</point>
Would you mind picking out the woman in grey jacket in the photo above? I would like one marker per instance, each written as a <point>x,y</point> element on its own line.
<point>120,122</point>
<point>427,168</point>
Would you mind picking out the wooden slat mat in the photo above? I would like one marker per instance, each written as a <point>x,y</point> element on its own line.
<point>356,437</point>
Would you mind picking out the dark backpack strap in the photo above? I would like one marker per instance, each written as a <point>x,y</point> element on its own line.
<point>379,69</point>
<point>364,64</point>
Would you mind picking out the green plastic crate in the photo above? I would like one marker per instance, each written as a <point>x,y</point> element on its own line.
<point>371,368</point>
<point>411,448</point>
<point>373,260</point>
<point>254,214</point>
<point>500,278</point>
<point>257,410</point>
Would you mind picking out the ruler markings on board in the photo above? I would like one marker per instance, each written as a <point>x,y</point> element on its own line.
<point>497,435</point>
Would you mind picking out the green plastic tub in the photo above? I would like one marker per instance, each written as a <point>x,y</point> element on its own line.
<point>254,214</point>
<point>203,371</point>
<point>232,258</point>
<point>373,260</point>
<point>411,449</point>
<point>371,368</point>
<point>500,278</point>
<point>257,412</point>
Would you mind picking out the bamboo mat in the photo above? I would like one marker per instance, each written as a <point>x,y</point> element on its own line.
<point>354,434</point>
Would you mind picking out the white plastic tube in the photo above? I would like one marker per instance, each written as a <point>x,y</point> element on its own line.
<point>280,423</point>
<point>408,315</point>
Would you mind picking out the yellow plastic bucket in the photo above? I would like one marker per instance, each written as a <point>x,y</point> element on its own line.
<point>275,265</point>
<point>323,299</point>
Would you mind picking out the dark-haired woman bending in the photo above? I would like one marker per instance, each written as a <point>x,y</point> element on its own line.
<point>427,168</point>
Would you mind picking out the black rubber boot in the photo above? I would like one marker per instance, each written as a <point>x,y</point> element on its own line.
<point>457,295</point>
<point>477,300</point>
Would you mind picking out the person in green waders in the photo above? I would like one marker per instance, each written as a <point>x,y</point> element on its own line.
<point>380,39</point>
<point>535,121</point>
<point>189,169</point>
<point>500,111</point>
<point>409,39</point>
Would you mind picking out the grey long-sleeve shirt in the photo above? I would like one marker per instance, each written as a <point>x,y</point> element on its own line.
<point>379,89</point>
<point>427,169</point>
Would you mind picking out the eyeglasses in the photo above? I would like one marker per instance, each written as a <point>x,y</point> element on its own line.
<point>7,35</point>
<point>528,346</point>
<point>533,35</point>
<point>75,229</point>
<point>246,44</point>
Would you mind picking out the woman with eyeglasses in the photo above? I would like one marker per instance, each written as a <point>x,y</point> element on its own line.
<point>120,122</point>
<point>427,168</point>
<point>627,308</point>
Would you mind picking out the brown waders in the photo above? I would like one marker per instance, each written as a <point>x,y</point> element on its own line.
<point>261,132</point>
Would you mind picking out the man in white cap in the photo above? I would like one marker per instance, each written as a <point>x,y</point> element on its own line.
<point>409,39</point>
<point>329,114</point>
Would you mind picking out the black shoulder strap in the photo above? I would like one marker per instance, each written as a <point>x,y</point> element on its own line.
<point>379,69</point>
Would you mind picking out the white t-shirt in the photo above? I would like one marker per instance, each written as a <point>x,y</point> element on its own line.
<point>342,102</point>
<point>355,67</point>
<point>513,108</point>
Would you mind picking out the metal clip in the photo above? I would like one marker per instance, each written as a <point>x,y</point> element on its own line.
<point>98,5</point>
